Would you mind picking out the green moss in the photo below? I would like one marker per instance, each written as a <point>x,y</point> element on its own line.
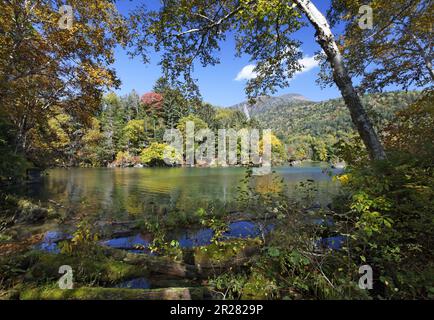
<point>30,212</point>
<point>86,293</point>
<point>225,252</point>
<point>5,237</point>
<point>100,269</point>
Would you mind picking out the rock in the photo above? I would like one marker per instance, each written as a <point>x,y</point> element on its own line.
<point>215,258</point>
<point>339,165</point>
<point>29,212</point>
<point>294,163</point>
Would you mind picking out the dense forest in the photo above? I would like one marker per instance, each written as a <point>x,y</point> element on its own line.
<point>128,130</point>
<point>313,130</point>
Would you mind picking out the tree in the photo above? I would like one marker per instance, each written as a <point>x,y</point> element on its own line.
<point>413,131</point>
<point>207,113</point>
<point>94,150</point>
<point>43,66</point>
<point>11,164</point>
<point>397,50</point>
<point>154,103</point>
<point>175,105</point>
<point>263,28</point>
<point>113,120</point>
<point>133,106</point>
<point>59,141</point>
<point>278,150</point>
<point>154,154</point>
<point>227,118</point>
<point>134,134</point>
<point>198,124</point>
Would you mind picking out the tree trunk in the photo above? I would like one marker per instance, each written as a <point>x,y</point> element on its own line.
<point>428,65</point>
<point>326,40</point>
<point>426,57</point>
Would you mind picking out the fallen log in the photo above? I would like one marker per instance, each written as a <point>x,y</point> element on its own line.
<point>198,263</point>
<point>115,265</point>
<point>97,293</point>
<point>45,266</point>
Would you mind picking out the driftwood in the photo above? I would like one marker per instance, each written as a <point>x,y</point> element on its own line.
<point>57,204</point>
<point>168,279</point>
<point>199,263</point>
<point>162,265</point>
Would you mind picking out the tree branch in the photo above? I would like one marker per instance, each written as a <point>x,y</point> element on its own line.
<point>214,23</point>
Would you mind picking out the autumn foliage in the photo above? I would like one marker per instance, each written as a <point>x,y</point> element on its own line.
<point>154,102</point>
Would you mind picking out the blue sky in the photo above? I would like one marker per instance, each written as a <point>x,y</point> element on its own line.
<point>218,84</point>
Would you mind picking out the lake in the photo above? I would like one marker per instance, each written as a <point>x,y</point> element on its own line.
<point>120,193</point>
<point>114,200</point>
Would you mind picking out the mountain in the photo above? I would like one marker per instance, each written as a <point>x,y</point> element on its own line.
<point>310,129</point>
<point>266,103</point>
<point>295,114</point>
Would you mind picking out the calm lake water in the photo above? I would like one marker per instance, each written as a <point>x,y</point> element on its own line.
<point>119,193</point>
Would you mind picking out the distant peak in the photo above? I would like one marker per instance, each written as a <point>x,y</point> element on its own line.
<point>295,96</point>
<point>264,103</point>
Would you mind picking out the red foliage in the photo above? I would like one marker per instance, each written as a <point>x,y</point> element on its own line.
<point>154,101</point>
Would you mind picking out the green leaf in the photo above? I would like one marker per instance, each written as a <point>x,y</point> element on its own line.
<point>273,252</point>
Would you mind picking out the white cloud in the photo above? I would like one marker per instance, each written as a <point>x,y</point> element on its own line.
<point>247,73</point>
<point>308,63</point>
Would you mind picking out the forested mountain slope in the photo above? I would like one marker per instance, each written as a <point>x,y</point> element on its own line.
<point>310,129</point>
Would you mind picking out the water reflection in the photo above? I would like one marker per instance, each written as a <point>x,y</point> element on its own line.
<point>50,240</point>
<point>127,193</point>
<point>139,243</point>
<point>138,283</point>
<point>190,238</point>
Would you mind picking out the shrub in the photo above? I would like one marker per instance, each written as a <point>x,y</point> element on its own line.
<point>386,207</point>
<point>154,155</point>
<point>125,159</point>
